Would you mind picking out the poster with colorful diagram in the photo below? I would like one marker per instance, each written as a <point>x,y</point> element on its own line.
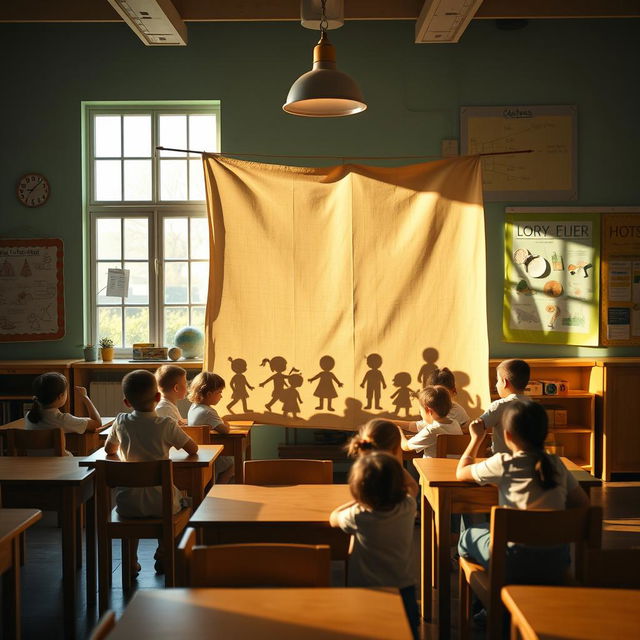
<point>551,289</point>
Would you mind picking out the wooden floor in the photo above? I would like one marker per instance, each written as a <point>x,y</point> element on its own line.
<point>42,585</point>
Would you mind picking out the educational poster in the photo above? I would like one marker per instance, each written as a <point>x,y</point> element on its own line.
<point>552,278</point>
<point>549,172</point>
<point>620,315</point>
<point>31,290</point>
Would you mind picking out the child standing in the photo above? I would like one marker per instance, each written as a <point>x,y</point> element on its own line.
<point>512,379</point>
<point>435,405</point>
<point>140,436</point>
<point>381,520</point>
<point>50,392</point>
<point>326,378</point>
<point>527,478</point>
<point>205,391</point>
<point>172,384</point>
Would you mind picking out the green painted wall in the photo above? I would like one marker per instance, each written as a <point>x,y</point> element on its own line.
<point>414,94</point>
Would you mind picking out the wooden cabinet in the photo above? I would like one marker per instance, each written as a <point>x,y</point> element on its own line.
<point>617,381</point>
<point>16,380</point>
<point>576,438</point>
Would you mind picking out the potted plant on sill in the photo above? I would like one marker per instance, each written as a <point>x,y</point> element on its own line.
<point>106,349</point>
<point>90,353</point>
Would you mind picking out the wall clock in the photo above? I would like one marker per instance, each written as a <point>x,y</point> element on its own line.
<point>33,190</point>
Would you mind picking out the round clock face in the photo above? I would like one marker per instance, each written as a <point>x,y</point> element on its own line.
<point>33,190</point>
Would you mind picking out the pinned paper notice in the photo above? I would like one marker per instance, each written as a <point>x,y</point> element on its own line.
<point>118,283</point>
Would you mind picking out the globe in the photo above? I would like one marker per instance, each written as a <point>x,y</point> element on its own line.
<point>191,341</point>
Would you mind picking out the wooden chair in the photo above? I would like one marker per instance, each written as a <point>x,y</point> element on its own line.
<point>111,474</point>
<point>253,565</point>
<point>21,441</point>
<point>104,627</point>
<point>288,471</point>
<point>198,433</point>
<point>583,527</point>
<point>612,569</point>
<point>449,444</point>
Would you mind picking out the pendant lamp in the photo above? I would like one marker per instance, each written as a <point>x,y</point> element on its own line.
<point>324,92</point>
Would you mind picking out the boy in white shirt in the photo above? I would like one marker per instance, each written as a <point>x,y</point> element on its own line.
<point>172,384</point>
<point>435,405</point>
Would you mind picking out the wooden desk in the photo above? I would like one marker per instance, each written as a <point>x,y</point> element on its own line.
<point>190,473</point>
<point>13,522</point>
<point>79,444</point>
<point>236,443</point>
<point>287,614</point>
<point>572,613</point>
<point>296,513</point>
<point>57,484</point>
<point>442,495</point>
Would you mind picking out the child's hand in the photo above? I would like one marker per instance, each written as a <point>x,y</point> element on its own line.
<point>262,384</point>
<point>82,391</point>
<point>309,379</point>
<point>362,386</point>
<point>477,430</point>
<point>340,384</point>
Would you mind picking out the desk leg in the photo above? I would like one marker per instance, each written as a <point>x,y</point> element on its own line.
<point>426,560</point>
<point>69,550</point>
<point>90,542</point>
<point>443,565</point>
<point>237,457</point>
<point>11,594</point>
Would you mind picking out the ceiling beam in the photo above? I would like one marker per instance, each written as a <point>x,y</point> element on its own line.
<point>270,10</point>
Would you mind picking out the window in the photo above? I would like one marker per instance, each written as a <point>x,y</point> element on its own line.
<point>147,215</point>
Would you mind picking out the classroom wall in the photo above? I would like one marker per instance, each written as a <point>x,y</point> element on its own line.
<point>413,91</point>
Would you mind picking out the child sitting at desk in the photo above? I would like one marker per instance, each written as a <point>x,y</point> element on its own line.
<point>172,384</point>
<point>140,436</point>
<point>381,520</point>
<point>206,390</point>
<point>446,378</point>
<point>50,391</point>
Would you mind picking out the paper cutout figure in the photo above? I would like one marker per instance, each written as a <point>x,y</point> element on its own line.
<point>402,396</point>
<point>278,365</point>
<point>290,397</point>
<point>430,357</point>
<point>374,380</point>
<point>325,388</point>
<point>239,384</point>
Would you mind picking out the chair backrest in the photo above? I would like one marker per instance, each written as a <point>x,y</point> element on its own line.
<point>612,569</point>
<point>450,444</point>
<point>288,471</point>
<point>199,433</point>
<point>21,441</point>
<point>253,565</point>
<point>104,627</point>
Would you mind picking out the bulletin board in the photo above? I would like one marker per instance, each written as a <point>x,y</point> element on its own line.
<point>548,173</point>
<point>31,289</point>
<point>620,312</point>
<point>552,270</point>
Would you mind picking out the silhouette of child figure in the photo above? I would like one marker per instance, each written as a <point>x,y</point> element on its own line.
<point>291,399</point>
<point>278,365</point>
<point>374,380</point>
<point>402,396</point>
<point>325,388</point>
<point>239,384</point>
<point>430,357</point>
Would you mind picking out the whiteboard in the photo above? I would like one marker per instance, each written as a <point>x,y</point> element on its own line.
<point>31,289</point>
<point>548,173</point>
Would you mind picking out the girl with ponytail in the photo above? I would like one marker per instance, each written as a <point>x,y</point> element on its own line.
<point>527,478</point>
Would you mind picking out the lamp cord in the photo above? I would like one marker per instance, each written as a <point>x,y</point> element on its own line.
<point>324,23</point>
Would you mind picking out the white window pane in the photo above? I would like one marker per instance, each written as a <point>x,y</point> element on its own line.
<point>136,238</point>
<point>202,133</point>
<point>102,269</point>
<point>196,180</point>
<point>173,179</point>
<point>173,133</point>
<point>137,136</point>
<point>110,324</point>
<point>137,180</point>
<point>108,180</point>
<point>176,283</point>
<point>136,325</point>
<point>174,318</point>
<point>199,282</point>
<point>107,137</point>
<point>199,238</point>
<point>176,238</point>
<point>108,239</point>
<point>197,317</point>
<point>138,282</point>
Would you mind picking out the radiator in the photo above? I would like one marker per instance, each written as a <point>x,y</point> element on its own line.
<point>107,397</point>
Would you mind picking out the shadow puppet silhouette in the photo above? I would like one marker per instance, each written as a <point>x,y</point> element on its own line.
<point>430,356</point>
<point>463,397</point>
<point>373,380</point>
<point>325,388</point>
<point>402,396</point>
<point>239,384</point>
<point>290,396</point>
<point>278,365</point>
